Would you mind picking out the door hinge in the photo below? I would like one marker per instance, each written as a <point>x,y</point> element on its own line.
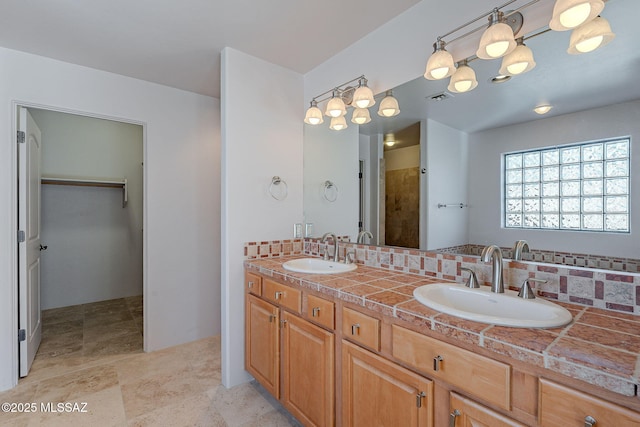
<point>21,236</point>
<point>360,175</point>
<point>21,137</point>
<point>22,335</point>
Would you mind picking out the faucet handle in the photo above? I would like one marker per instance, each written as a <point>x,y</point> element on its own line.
<point>349,256</point>
<point>525,290</point>
<point>325,255</point>
<point>472,281</point>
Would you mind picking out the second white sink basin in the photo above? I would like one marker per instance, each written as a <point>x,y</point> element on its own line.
<point>317,266</point>
<point>482,305</point>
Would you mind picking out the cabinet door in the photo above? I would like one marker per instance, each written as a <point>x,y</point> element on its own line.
<point>376,392</point>
<point>467,413</point>
<point>308,390</point>
<point>262,343</point>
<point>563,406</point>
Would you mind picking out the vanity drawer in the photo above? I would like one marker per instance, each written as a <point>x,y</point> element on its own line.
<point>361,328</point>
<point>253,283</point>
<point>483,377</point>
<point>560,405</point>
<point>321,311</point>
<point>282,295</point>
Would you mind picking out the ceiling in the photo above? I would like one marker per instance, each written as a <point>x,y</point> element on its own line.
<point>178,43</point>
<point>568,82</point>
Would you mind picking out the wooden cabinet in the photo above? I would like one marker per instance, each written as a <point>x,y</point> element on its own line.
<point>262,343</point>
<point>253,283</point>
<point>292,358</point>
<point>361,328</point>
<point>321,311</point>
<point>377,392</point>
<point>469,371</point>
<point>563,406</point>
<point>308,389</point>
<point>467,413</point>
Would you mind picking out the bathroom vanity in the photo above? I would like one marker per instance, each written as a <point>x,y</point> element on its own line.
<point>356,349</point>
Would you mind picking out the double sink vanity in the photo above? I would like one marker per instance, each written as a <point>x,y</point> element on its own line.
<point>354,345</point>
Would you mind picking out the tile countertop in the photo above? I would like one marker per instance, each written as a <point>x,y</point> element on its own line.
<point>599,347</point>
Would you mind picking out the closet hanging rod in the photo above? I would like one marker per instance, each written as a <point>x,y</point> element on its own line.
<point>90,182</point>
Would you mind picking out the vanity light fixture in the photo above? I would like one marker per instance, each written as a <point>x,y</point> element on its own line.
<point>440,64</point>
<point>340,97</point>
<point>338,123</point>
<point>360,116</point>
<point>336,106</point>
<point>590,36</point>
<point>569,14</point>
<point>463,80</point>
<point>542,109</point>
<point>519,61</point>
<point>389,105</point>
<point>497,40</point>
<point>313,115</point>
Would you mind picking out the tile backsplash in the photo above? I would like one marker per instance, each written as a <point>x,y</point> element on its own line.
<point>601,288</point>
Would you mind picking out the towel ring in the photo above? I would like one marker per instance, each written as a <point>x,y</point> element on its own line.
<point>330,192</point>
<point>278,188</point>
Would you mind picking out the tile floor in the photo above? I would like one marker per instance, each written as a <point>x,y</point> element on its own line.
<point>92,354</point>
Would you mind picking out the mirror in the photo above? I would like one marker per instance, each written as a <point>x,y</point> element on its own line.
<point>594,96</point>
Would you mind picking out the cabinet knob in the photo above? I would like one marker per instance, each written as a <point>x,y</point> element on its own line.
<point>315,311</point>
<point>452,417</point>
<point>436,362</point>
<point>279,295</point>
<point>355,329</point>
<point>589,421</point>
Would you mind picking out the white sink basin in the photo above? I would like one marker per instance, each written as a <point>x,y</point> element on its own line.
<point>482,305</point>
<point>317,266</point>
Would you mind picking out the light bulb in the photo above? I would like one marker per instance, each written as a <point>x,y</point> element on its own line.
<point>575,15</point>
<point>338,123</point>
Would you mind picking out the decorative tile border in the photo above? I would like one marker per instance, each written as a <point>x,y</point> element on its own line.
<point>608,290</point>
<point>273,248</point>
<point>603,262</point>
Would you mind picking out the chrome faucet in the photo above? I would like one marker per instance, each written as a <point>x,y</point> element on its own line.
<point>493,253</point>
<point>362,235</point>
<point>335,245</point>
<point>520,247</point>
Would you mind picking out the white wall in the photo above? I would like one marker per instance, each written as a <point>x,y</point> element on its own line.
<point>447,183</point>
<point>402,158</point>
<point>331,156</point>
<point>182,194</point>
<point>485,148</point>
<point>94,244</point>
<point>262,136</point>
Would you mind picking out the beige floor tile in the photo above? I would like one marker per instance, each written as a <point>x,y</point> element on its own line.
<point>241,404</point>
<point>76,384</point>
<point>107,331</point>
<point>125,344</point>
<point>61,344</point>
<point>62,314</point>
<point>194,411</point>
<point>63,327</point>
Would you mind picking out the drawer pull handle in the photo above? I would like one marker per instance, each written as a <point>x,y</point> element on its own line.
<point>279,295</point>
<point>436,362</point>
<point>272,318</point>
<point>355,329</point>
<point>452,417</point>
<point>589,421</point>
<point>283,323</point>
<point>419,398</point>
<point>316,311</point>
<point>250,284</point>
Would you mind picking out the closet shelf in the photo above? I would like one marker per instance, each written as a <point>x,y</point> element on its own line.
<point>90,182</point>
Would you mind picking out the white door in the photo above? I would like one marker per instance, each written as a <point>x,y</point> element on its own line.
<point>29,153</point>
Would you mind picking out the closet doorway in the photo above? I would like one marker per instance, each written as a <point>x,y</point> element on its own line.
<point>89,302</point>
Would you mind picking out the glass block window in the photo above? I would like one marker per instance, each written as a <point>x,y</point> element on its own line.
<point>583,187</point>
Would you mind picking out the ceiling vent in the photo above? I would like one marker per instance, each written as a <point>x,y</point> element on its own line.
<point>440,96</point>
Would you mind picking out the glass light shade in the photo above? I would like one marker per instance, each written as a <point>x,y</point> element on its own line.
<point>336,107</point>
<point>496,41</point>
<point>440,65</point>
<point>569,14</point>
<point>360,116</point>
<point>389,106</point>
<point>389,140</point>
<point>542,109</point>
<point>363,97</point>
<point>518,62</point>
<point>463,80</point>
<point>338,123</point>
<point>313,115</point>
<point>590,36</point>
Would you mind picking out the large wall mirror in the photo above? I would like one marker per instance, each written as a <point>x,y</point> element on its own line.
<point>440,187</point>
